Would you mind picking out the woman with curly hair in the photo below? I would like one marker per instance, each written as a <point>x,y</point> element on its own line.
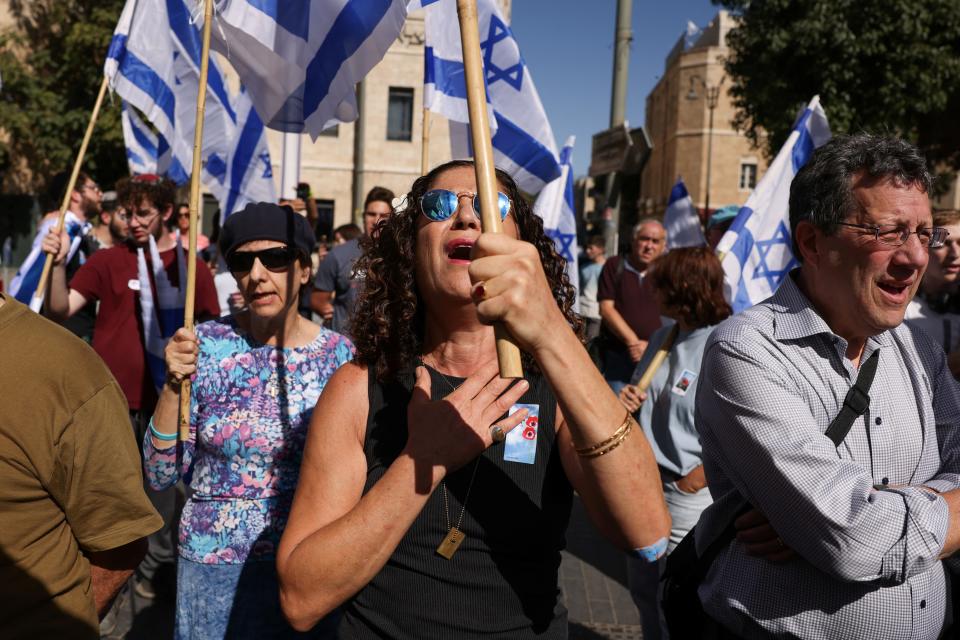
<point>688,284</point>
<point>420,505</point>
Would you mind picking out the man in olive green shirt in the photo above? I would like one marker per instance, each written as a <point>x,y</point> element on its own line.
<point>73,512</point>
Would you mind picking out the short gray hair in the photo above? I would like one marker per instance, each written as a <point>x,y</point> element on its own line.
<point>822,191</point>
<point>636,227</point>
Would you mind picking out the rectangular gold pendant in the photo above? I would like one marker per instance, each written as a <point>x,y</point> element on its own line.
<point>451,543</point>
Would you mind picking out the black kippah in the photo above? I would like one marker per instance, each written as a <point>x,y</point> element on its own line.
<point>266,221</point>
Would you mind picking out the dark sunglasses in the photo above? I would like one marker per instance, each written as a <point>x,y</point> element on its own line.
<point>277,259</point>
<point>440,204</point>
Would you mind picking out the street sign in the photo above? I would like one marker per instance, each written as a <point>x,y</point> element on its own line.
<point>609,150</point>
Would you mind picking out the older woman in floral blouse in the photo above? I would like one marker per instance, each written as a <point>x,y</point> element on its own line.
<point>258,377</point>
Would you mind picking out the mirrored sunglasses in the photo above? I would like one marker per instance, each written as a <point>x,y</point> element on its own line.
<point>276,259</point>
<point>439,204</point>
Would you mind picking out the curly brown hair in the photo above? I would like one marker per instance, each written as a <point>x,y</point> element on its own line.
<point>690,281</point>
<point>388,324</point>
<point>161,192</point>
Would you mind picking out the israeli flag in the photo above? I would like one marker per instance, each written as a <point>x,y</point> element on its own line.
<point>157,71</point>
<point>523,142</point>
<point>757,250</point>
<point>247,174</point>
<point>24,283</point>
<point>140,141</point>
<point>555,206</point>
<point>681,220</point>
<point>301,59</point>
<point>161,307</point>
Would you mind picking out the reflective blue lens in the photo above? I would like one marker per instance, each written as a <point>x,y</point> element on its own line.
<point>440,204</point>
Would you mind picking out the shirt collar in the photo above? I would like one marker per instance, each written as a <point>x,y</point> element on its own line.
<point>797,318</point>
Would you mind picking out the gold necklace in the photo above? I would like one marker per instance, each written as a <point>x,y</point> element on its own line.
<point>455,536</point>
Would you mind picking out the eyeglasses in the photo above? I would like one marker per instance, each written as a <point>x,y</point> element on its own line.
<point>896,235</point>
<point>276,259</point>
<point>144,217</point>
<point>92,186</point>
<point>439,204</point>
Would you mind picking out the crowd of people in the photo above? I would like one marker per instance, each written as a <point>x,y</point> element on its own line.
<point>352,465</point>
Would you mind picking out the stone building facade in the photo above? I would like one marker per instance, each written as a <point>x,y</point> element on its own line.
<point>677,122</point>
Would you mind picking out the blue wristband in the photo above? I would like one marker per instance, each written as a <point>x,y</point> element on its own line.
<point>651,553</point>
<point>164,437</point>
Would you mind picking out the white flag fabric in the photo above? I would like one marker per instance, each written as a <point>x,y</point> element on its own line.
<point>24,284</point>
<point>153,63</point>
<point>555,206</point>
<point>161,307</point>
<point>681,220</point>
<point>523,142</point>
<point>757,249</point>
<point>141,142</point>
<point>301,59</point>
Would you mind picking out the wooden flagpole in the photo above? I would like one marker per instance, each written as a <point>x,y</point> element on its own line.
<point>658,359</point>
<point>425,143</point>
<point>508,354</point>
<point>48,262</point>
<point>188,308</point>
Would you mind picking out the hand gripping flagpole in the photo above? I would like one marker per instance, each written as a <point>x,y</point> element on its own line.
<point>184,424</point>
<point>508,354</point>
<point>48,262</point>
<point>658,359</point>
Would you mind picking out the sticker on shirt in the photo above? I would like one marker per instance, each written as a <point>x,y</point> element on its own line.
<point>682,385</point>
<point>133,284</point>
<point>521,442</point>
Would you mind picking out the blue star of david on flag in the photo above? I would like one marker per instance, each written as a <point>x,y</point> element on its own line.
<point>781,238</point>
<point>564,241</point>
<point>512,75</point>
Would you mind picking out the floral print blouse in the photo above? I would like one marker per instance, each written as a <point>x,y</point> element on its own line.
<point>250,408</point>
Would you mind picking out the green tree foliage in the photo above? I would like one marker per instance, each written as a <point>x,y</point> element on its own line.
<point>52,66</point>
<point>881,66</point>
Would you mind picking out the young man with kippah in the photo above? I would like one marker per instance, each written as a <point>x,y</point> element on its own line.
<point>111,276</point>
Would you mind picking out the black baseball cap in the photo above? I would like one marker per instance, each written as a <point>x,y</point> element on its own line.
<point>266,221</point>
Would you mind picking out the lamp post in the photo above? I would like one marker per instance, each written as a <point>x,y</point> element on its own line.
<point>712,95</point>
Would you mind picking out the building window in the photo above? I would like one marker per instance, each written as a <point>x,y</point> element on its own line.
<point>748,176</point>
<point>332,132</point>
<point>400,114</point>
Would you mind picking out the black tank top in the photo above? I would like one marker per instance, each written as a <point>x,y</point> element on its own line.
<point>502,581</point>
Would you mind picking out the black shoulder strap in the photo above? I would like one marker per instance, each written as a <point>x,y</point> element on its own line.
<point>857,401</point>
<point>855,404</point>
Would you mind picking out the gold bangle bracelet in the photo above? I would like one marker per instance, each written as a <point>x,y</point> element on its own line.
<point>614,445</point>
<point>617,435</point>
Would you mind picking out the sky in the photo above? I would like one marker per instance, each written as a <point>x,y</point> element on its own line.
<point>568,48</point>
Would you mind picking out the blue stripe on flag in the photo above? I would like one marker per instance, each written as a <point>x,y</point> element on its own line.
<point>143,139</point>
<point>679,192</point>
<point>804,147</point>
<point>146,79</point>
<point>447,75</point>
<point>350,30</point>
<point>566,155</point>
<point>118,44</point>
<point>189,37</point>
<point>135,158</point>
<point>525,150</point>
<point>30,280</point>
<point>242,157</point>
<point>292,15</point>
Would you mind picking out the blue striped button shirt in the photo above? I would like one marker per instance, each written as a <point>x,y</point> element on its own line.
<point>867,543</point>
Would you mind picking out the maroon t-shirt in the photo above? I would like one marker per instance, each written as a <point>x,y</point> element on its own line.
<point>633,298</point>
<point>110,276</point>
